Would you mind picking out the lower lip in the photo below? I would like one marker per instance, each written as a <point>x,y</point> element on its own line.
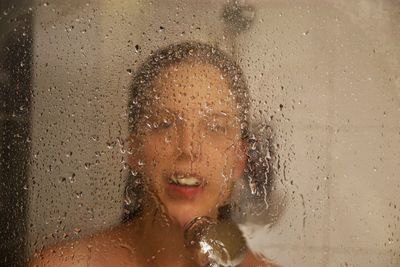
<point>187,192</point>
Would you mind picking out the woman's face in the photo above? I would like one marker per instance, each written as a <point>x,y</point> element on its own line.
<point>189,148</point>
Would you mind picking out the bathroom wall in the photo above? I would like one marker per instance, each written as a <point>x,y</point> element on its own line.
<point>334,68</point>
<point>326,71</point>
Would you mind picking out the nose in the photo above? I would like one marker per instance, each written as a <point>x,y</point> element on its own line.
<point>188,147</point>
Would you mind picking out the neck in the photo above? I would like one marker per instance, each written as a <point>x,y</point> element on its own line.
<point>161,241</point>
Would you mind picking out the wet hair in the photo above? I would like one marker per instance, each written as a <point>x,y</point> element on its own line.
<point>258,173</point>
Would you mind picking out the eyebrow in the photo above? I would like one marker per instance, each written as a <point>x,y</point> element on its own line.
<point>158,110</point>
<point>222,114</point>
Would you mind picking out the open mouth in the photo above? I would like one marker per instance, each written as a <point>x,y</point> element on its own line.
<point>185,186</point>
<point>183,180</point>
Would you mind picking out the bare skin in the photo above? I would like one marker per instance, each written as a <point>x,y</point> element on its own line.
<point>113,249</point>
<point>197,135</point>
<point>127,245</point>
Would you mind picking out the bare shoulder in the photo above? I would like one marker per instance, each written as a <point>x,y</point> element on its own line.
<point>104,249</point>
<point>73,253</point>
<point>257,260</point>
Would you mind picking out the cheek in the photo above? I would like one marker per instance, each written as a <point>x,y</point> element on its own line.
<point>225,171</point>
<point>223,155</point>
<point>156,155</point>
<point>157,148</point>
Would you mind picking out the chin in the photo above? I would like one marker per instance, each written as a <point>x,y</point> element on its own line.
<point>183,214</point>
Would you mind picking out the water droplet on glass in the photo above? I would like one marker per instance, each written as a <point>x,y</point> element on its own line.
<point>110,144</point>
<point>71,178</point>
<point>137,48</point>
<point>95,138</point>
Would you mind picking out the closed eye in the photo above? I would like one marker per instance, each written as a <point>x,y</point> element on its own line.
<point>216,127</point>
<point>165,124</point>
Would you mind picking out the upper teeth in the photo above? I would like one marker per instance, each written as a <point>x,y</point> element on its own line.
<point>191,181</point>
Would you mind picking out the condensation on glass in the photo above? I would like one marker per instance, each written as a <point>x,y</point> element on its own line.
<point>302,163</point>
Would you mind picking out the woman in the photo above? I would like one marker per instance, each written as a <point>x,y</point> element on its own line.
<point>188,151</point>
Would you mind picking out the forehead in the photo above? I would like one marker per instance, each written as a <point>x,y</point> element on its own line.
<point>193,86</point>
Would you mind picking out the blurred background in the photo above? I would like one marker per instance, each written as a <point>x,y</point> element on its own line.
<point>323,74</point>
